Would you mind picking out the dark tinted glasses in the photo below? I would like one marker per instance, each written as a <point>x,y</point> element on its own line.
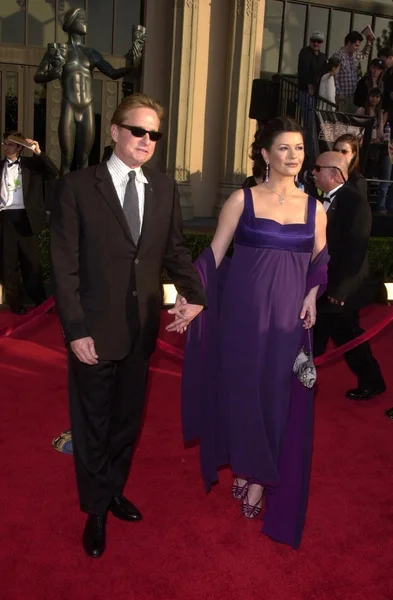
<point>139,132</point>
<point>317,168</point>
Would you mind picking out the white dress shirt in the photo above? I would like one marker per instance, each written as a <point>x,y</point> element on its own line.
<point>119,173</point>
<point>326,204</point>
<point>327,88</point>
<point>11,189</point>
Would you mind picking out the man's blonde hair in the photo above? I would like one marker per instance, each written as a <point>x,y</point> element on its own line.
<point>136,101</point>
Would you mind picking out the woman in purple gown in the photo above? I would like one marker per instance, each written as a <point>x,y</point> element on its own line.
<point>240,396</point>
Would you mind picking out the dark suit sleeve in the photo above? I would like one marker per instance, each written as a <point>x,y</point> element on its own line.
<point>43,164</point>
<point>360,183</point>
<point>355,226</point>
<point>64,235</point>
<point>178,261</point>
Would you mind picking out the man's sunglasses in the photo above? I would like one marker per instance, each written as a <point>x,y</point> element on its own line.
<point>139,132</point>
<point>317,168</point>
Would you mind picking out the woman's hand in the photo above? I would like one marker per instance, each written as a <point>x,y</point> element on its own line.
<point>309,311</point>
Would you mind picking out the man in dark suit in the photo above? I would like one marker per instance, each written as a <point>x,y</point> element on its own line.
<point>348,289</point>
<point>113,227</point>
<point>22,218</point>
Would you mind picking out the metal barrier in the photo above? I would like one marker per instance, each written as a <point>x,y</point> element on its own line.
<point>298,104</point>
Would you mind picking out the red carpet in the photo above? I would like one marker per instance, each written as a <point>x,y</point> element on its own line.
<point>189,545</point>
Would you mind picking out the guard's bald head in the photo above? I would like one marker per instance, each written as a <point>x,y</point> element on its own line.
<point>334,159</point>
<point>334,171</point>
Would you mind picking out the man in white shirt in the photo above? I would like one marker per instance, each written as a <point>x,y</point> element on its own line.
<point>114,227</point>
<point>22,218</point>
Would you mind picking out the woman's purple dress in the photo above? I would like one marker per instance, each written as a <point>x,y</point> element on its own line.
<point>240,396</point>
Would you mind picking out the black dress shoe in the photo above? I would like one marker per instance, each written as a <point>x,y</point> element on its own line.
<point>94,535</point>
<point>124,509</point>
<point>389,413</point>
<point>364,394</point>
<point>19,310</point>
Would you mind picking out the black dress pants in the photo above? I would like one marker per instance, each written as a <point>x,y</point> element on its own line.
<point>106,407</point>
<point>343,327</point>
<point>19,254</point>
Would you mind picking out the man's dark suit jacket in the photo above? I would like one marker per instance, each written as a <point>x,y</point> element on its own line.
<point>96,265</point>
<point>35,169</point>
<point>348,230</point>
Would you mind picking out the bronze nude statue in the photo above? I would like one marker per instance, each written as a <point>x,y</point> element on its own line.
<point>73,63</point>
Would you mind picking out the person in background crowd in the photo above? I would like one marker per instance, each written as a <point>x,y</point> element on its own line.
<point>385,198</point>
<point>373,79</point>
<point>349,287</point>
<point>22,218</point>
<point>327,87</point>
<point>311,62</point>
<point>348,146</point>
<point>347,78</point>
<point>373,108</point>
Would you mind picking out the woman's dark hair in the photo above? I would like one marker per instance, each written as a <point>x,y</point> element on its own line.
<point>385,52</point>
<point>264,138</point>
<point>369,80</point>
<point>353,37</point>
<point>353,142</point>
<point>375,91</point>
<point>332,63</point>
<point>257,171</point>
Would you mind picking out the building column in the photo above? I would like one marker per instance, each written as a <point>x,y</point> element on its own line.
<point>185,28</point>
<point>244,60</point>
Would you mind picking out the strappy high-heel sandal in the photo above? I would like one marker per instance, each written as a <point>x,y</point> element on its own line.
<point>250,511</point>
<point>239,491</point>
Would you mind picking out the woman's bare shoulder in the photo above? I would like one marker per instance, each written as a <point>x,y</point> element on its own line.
<point>235,201</point>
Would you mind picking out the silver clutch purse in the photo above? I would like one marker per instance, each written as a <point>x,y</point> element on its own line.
<point>304,367</point>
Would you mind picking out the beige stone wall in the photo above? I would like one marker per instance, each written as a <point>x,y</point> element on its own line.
<point>200,59</point>
<point>209,104</point>
<point>157,59</point>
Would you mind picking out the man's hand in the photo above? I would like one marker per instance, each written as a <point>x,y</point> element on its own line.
<point>85,351</point>
<point>35,147</point>
<point>184,314</point>
<point>370,39</point>
<point>335,301</point>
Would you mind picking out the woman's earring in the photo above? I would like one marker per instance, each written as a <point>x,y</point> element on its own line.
<point>267,173</point>
<point>296,178</point>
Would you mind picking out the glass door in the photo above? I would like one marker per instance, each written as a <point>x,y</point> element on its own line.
<point>11,98</point>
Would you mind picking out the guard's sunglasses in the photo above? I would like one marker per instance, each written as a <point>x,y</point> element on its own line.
<point>140,132</point>
<point>317,168</point>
